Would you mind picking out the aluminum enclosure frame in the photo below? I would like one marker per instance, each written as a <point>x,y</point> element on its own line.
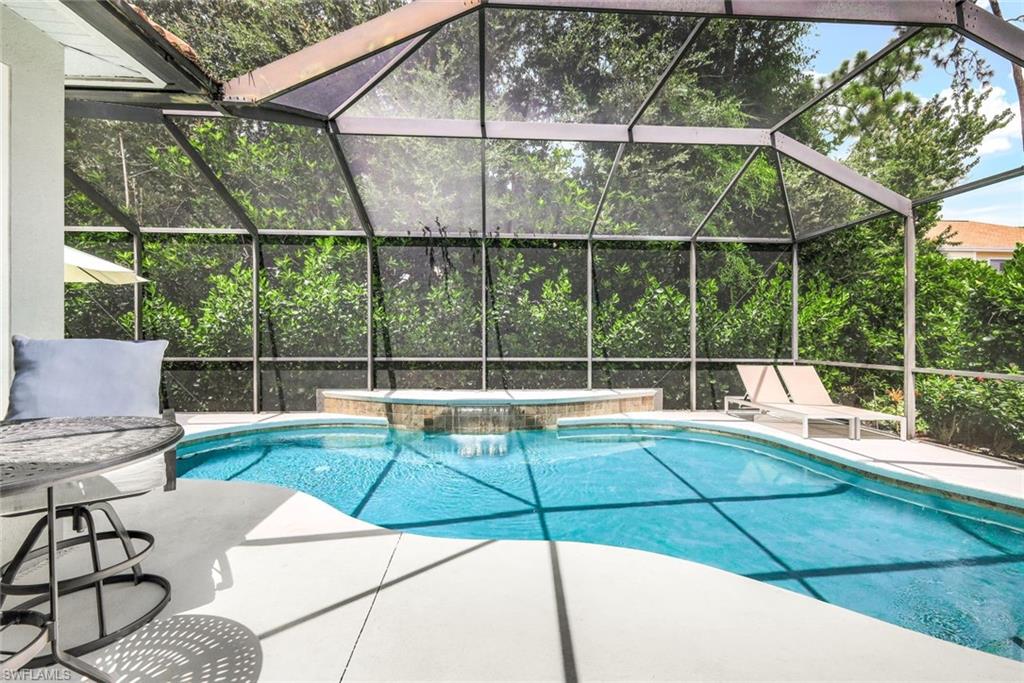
<point>248,96</point>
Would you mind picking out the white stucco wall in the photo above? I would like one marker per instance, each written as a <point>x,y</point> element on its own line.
<point>32,290</point>
<point>32,218</point>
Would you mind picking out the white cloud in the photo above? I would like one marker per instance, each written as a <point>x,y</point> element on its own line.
<point>1006,138</point>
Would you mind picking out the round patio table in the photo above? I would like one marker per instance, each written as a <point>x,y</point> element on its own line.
<point>44,453</point>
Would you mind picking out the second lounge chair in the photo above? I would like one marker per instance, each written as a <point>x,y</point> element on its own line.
<point>806,388</point>
<point>766,394</point>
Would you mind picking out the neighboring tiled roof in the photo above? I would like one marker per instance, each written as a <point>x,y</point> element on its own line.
<point>981,235</point>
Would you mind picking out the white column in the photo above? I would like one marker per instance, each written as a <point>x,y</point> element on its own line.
<point>32,182</point>
<point>31,201</point>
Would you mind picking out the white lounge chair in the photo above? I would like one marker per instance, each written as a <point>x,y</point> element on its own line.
<point>766,394</point>
<point>805,388</point>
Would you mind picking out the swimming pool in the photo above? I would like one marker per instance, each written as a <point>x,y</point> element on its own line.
<point>944,568</point>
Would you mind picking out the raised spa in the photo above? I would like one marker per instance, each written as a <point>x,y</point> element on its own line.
<point>484,412</point>
<point>941,567</point>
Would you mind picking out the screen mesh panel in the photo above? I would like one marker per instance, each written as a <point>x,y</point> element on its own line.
<point>195,386</point>
<point>666,189</point>
<point>199,294</point>
<point>285,177</point>
<point>582,67</point>
<point>536,375</point>
<point>672,378</point>
<point>427,374</point>
<point>563,181</point>
<point>326,95</point>
<point>292,385</point>
<point>418,185</point>
<point>536,300</point>
<point>755,206</point>
<point>441,79</point>
<point>139,167</point>
<point>818,203</point>
<point>851,309</point>
<point>426,299</point>
<point>312,298</point>
<point>743,301</point>
<point>641,300</point>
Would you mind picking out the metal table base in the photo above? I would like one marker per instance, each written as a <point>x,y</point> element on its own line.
<point>96,580</point>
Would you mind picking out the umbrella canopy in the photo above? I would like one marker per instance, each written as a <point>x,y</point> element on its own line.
<point>82,267</point>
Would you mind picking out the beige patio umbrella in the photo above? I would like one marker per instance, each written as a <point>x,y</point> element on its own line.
<point>82,267</point>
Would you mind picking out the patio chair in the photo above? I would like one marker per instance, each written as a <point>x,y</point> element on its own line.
<point>805,387</point>
<point>765,394</point>
<point>87,378</point>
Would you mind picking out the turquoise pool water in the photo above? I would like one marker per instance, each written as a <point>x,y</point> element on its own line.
<point>947,569</point>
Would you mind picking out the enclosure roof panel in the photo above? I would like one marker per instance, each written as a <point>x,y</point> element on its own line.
<point>347,47</point>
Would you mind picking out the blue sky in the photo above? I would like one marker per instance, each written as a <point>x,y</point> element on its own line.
<point>1002,150</point>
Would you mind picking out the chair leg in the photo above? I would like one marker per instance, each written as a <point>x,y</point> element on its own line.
<point>122,534</point>
<point>11,569</point>
<point>854,426</point>
<point>80,514</point>
<point>807,428</point>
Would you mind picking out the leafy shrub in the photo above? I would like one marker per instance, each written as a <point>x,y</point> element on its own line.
<point>975,411</point>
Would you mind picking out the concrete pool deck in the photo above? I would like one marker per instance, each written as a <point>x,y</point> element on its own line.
<point>275,585</point>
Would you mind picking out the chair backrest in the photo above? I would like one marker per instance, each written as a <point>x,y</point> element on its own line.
<point>804,385</point>
<point>85,378</point>
<point>762,384</point>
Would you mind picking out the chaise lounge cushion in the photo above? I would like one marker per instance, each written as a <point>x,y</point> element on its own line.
<point>85,378</point>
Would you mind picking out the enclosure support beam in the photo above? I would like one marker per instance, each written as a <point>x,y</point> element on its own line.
<point>973,185</point>
<point>369,315</point>
<point>350,183</point>
<point>100,200</point>
<point>909,323</point>
<point>590,314</point>
<point>841,174</point>
<point>204,169</point>
<point>728,188</point>
<point>667,73</point>
<point>985,28</point>
<point>381,75</point>
<point>693,324</point>
<point>853,73</point>
<point>481,28</point>
<point>785,197</point>
<point>604,191</point>
<point>137,292</point>
<point>551,130</point>
<point>483,314</point>
<point>795,304</point>
<point>257,257</point>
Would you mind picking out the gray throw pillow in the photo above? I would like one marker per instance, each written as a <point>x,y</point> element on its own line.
<point>85,378</point>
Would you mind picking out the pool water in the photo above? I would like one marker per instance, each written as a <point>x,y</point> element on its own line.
<point>946,569</point>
